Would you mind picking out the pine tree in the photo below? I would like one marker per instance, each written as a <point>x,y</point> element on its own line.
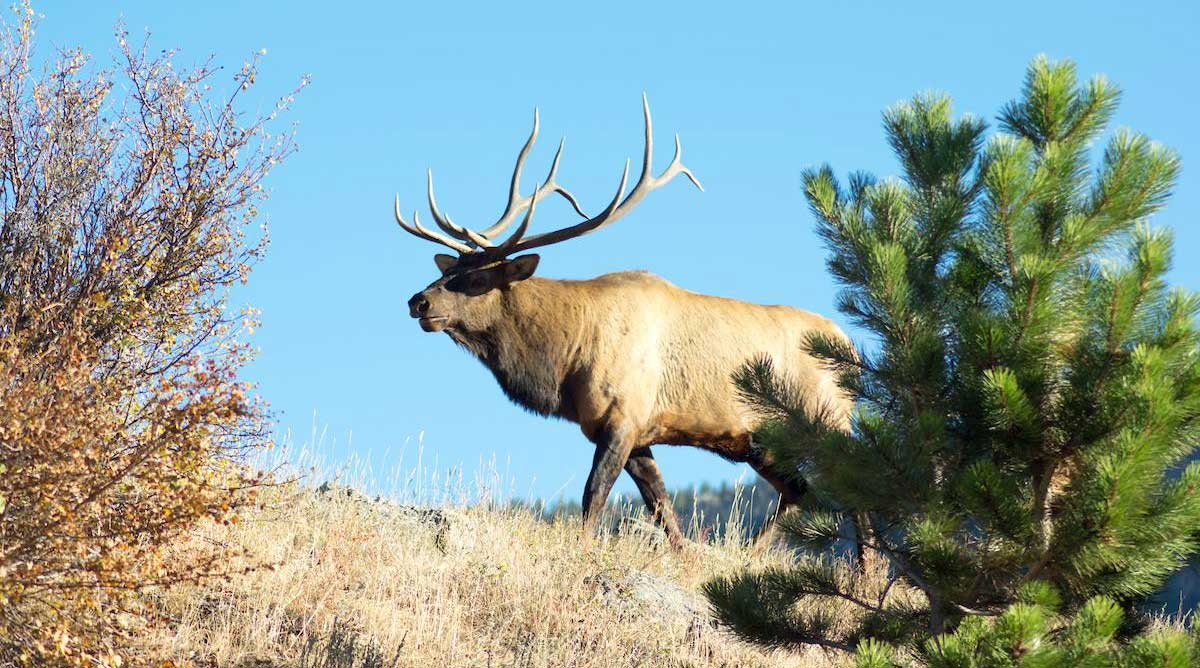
<point>1030,399</point>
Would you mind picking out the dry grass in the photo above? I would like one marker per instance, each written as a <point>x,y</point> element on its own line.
<point>360,583</point>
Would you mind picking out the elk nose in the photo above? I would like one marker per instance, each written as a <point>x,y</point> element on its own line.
<point>418,305</point>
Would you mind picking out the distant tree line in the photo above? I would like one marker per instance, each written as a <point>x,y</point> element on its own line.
<point>706,511</point>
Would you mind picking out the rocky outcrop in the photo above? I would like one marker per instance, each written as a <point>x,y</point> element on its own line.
<point>649,594</point>
<point>449,528</point>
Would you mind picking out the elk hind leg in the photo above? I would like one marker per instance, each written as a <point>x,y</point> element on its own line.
<point>645,472</point>
<point>790,488</point>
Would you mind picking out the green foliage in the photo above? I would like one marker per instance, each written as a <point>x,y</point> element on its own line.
<point>1035,635</point>
<point>1034,392</point>
<point>761,612</point>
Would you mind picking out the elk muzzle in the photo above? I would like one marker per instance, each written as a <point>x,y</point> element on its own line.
<point>418,307</point>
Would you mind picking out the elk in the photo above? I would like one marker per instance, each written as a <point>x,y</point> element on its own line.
<point>632,359</point>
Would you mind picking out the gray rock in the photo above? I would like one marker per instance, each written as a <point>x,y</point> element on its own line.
<point>650,594</point>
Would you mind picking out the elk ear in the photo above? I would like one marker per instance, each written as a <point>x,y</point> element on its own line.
<point>444,262</point>
<point>521,268</point>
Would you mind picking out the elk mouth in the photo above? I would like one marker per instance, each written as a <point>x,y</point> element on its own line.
<point>434,323</point>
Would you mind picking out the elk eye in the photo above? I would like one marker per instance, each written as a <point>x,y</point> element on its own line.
<point>469,284</point>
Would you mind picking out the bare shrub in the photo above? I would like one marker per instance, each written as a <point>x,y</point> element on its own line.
<point>125,194</point>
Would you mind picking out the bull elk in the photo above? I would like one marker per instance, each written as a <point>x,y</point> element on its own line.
<point>632,359</point>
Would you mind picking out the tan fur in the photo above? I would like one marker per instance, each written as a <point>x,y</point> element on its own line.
<point>634,361</point>
<point>630,347</point>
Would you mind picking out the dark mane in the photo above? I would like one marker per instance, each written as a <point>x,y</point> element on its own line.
<point>531,384</point>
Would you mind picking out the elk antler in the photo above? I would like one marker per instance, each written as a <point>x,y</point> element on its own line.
<point>615,211</point>
<point>516,203</point>
<point>416,230</point>
<point>483,242</point>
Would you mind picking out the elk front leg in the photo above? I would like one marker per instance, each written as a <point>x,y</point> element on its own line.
<point>612,451</point>
<point>644,471</point>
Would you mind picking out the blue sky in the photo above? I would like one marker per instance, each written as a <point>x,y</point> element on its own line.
<point>757,91</point>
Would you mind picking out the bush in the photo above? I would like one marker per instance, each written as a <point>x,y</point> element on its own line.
<point>125,194</point>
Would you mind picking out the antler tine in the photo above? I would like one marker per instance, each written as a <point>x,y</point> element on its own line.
<point>516,203</point>
<point>612,206</point>
<point>454,230</point>
<point>677,167</point>
<point>514,188</point>
<point>646,183</point>
<point>549,185</point>
<point>515,237</point>
<point>418,231</point>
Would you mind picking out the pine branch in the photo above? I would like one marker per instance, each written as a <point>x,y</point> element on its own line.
<point>754,611</point>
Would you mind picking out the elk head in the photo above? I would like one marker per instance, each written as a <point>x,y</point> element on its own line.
<point>470,282</point>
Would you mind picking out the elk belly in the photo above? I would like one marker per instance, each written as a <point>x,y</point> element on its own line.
<point>730,441</point>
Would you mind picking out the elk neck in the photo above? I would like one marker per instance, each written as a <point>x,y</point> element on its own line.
<point>533,343</point>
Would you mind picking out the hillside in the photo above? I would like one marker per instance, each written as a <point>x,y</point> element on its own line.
<point>359,582</point>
